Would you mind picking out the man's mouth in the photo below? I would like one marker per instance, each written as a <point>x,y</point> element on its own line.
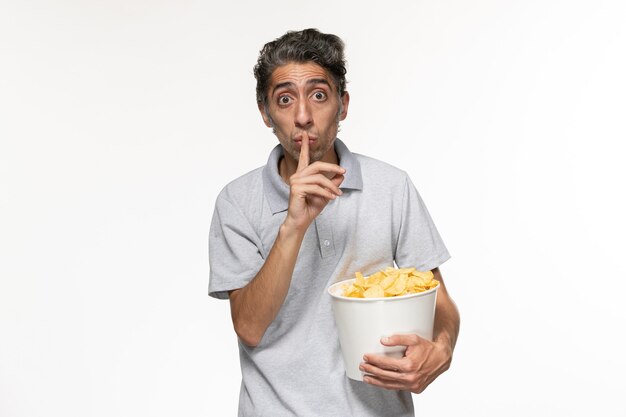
<point>298,140</point>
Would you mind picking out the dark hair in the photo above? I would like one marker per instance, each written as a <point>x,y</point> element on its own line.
<point>306,45</point>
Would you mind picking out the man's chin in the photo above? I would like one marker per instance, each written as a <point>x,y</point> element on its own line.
<point>313,157</point>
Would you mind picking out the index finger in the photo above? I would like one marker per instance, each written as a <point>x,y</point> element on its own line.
<point>303,162</point>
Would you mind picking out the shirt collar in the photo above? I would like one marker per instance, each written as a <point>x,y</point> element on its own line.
<point>277,191</point>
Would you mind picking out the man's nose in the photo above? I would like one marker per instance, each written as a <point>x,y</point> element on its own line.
<point>304,117</point>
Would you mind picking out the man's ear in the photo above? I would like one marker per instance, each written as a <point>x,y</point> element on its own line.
<point>345,101</point>
<point>266,119</point>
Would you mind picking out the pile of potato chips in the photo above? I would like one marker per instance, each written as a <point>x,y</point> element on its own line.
<point>391,282</point>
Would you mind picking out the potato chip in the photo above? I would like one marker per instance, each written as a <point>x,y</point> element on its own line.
<point>360,281</point>
<point>398,286</point>
<point>387,281</point>
<point>391,282</point>
<point>374,291</point>
<point>353,291</point>
<point>374,279</point>
<point>427,275</point>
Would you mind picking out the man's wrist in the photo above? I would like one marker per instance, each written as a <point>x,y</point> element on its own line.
<point>444,340</point>
<point>291,230</point>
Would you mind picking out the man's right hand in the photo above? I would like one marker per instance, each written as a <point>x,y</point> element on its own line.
<point>254,307</point>
<point>311,188</point>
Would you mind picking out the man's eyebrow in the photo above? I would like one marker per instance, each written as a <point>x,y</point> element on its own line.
<point>282,85</point>
<point>289,84</point>
<point>318,81</point>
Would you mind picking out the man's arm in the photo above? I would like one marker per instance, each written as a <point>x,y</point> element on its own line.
<point>423,360</point>
<point>254,307</point>
<point>447,318</point>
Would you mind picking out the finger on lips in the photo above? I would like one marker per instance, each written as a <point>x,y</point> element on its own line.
<point>303,162</point>
<point>326,175</point>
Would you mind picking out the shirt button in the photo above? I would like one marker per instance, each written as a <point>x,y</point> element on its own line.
<point>327,242</point>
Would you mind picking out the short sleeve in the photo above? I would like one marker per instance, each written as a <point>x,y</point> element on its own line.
<point>235,255</point>
<point>419,243</point>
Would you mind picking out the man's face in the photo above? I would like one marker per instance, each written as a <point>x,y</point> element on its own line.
<point>302,97</point>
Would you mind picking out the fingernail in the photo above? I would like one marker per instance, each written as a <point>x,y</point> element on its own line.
<point>385,339</point>
<point>365,358</point>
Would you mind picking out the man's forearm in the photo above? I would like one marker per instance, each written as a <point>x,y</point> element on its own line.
<point>254,307</point>
<point>447,319</point>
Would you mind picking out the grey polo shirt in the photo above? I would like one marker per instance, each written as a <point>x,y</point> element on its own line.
<point>297,368</point>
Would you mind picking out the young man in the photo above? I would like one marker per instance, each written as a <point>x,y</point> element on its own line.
<point>313,215</point>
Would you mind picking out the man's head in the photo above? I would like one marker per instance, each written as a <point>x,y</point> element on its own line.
<point>301,88</point>
<point>308,45</point>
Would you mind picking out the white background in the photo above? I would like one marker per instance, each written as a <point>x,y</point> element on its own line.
<point>121,120</point>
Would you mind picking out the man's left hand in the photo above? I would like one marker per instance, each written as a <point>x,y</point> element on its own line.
<point>423,361</point>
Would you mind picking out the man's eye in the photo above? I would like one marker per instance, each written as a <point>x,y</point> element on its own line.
<point>284,100</point>
<point>320,95</point>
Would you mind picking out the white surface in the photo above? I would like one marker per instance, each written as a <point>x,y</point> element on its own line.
<point>362,322</point>
<point>121,120</point>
